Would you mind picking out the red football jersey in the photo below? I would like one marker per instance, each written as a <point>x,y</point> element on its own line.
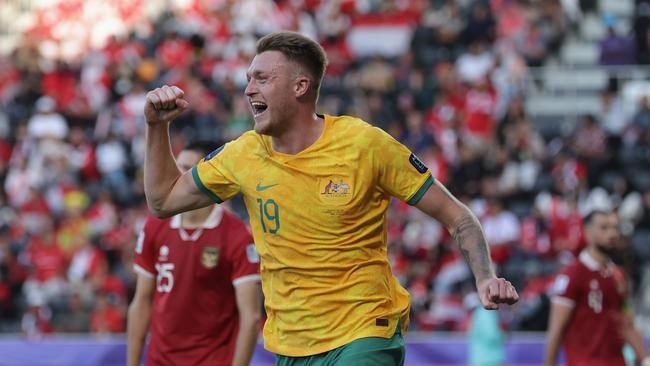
<point>194,318</point>
<point>593,336</point>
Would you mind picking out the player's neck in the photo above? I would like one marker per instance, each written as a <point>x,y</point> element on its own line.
<point>304,132</point>
<point>196,218</point>
<point>599,257</point>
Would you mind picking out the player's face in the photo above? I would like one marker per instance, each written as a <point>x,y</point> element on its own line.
<point>270,91</point>
<point>187,159</point>
<point>603,232</point>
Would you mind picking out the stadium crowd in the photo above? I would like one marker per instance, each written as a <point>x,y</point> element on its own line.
<point>71,144</point>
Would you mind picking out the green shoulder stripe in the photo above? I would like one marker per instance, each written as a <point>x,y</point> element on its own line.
<point>197,181</point>
<point>418,195</point>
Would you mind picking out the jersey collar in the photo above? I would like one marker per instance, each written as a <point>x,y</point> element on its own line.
<point>589,262</point>
<point>210,223</point>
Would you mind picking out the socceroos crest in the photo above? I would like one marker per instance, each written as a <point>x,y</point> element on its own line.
<point>339,188</point>
<point>210,257</point>
<point>335,190</point>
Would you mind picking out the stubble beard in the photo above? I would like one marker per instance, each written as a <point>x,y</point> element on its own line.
<point>608,251</point>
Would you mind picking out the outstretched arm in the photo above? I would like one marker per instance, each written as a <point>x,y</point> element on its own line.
<point>464,227</point>
<point>168,191</point>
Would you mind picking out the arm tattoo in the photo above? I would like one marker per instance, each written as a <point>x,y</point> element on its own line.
<point>468,234</point>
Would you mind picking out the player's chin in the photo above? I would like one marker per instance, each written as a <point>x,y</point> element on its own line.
<point>262,124</point>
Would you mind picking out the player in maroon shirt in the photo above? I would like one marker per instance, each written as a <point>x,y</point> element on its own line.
<point>590,315</point>
<point>198,287</point>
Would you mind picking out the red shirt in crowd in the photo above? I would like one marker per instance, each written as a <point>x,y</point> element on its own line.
<point>593,336</point>
<point>106,318</point>
<point>194,319</point>
<point>47,259</point>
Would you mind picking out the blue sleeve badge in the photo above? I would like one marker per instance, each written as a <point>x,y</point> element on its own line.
<point>214,153</point>
<point>418,164</point>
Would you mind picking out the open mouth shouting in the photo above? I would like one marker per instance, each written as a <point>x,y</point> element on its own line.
<point>258,108</point>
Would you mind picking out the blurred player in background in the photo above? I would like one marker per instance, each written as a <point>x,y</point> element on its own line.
<point>316,188</point>
<point>590,312</point>
<point>198,286</point>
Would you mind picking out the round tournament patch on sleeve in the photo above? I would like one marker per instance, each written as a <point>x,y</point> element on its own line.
<point>251,253</point>
<point>560,285</point>
<point>140,243</point>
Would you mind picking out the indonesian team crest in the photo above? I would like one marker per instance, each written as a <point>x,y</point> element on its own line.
<point>210,257</point>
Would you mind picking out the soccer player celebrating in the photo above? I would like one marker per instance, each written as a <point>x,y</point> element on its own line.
<point>316,188</point>
<point>589,312</point>
<point>198,286</point>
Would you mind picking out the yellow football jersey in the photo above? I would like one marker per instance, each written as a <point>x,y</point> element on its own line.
<point>319,222</point>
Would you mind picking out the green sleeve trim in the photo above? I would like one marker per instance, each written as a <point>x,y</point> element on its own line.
<point>197,181</point>
<point>418,195</point>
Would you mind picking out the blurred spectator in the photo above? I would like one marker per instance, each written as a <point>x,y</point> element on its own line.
<point>446,22</point>
<point>106,317</point>
<point>480,24</point>
<point>486,338</point>
<point>525,149</point>
<point>46,122</point>
<point>531,44</point>
<point>474,65</point>
<point>589,139</point>
<point>46,283</point>
<point>534,235</point>
<point>76,316</point>
<point>480,108</point>
<point>112,162</point>
<point>638,132</point>
<point>73,231</point>
<point>569,173</point>
<point>416,137</point>
<point>502,230</point>
<point>641,31</point>
<point>643,222</point>
<point>553,25</point>
<point>614,49</point>
<point>613,117</point>
<point>36,321</point>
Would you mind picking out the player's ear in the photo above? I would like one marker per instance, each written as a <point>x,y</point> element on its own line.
<point>302,86</point>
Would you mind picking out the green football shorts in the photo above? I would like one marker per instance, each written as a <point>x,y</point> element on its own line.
<point>370,351</point>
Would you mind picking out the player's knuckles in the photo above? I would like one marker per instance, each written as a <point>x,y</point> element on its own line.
<point>177,91</point>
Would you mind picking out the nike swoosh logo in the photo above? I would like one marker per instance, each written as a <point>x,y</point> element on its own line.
<point>259,188</point>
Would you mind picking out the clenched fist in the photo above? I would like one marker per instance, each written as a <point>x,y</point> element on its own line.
<point>164,104</point>
<point>495,291</point>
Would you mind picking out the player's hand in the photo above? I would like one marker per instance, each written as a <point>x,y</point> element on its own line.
<point>495,291</point>
<point>164,104</point>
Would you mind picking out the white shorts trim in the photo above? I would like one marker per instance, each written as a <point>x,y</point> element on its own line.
<point>563,301</point>
<point>245,279</point>
<point>142,271</point>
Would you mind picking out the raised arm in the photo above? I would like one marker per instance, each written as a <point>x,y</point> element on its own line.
<point>168,191</point>
<point>464,227</point>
